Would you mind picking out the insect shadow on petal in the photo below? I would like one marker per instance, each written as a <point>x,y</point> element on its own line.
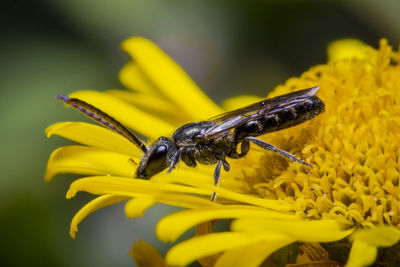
<point>212,141</point>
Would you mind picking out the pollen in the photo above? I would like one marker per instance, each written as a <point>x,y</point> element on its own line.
<point>354,146</point>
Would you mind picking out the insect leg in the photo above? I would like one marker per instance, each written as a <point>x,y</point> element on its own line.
<point>175,160</point>
<point>244,149</point>
<point>227,167</point>
<point>217,175</point>
<point>273,148</point>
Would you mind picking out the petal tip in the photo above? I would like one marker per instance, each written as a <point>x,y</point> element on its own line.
<point>132,42</point>
<point>73,230</point>
<point>71,193</point>
<point>48,177</point>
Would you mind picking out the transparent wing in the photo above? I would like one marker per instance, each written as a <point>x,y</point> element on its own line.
<point>238,117</point>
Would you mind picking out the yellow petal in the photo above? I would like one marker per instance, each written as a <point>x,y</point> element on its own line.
<point>255,254</point>
<point>125,187</point>
<point>136,207</point>
<point>128,115</point>
<point>153,105</point>
<point>202,176</point>
<point>239,197</point>
<point>361,254</point>
<point>240,101</point>
<point>92,206</point>
<point>381,236</point>
<point>201,246</point>
<point>170,79</point>
<point>347,49</point>
<point>172,226</point>
<point>145,255</point>
<point>132,77</point>
<point>185,201</point>
<point>88,161</point>
<point>305,231</point>
<point>202,172</point>
<point>93,135</point>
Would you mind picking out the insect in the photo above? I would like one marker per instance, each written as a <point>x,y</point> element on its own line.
<point>212,141</point>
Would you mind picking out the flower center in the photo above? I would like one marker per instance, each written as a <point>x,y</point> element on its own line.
<point>354,146</point>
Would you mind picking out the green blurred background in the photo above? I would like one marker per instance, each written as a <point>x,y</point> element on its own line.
<point>49,47</point>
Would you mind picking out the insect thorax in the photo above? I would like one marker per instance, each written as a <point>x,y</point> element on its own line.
<point>196,148</point>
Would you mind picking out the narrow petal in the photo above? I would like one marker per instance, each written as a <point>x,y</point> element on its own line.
<point>361,254</point>
<point>381,236</point>
<point>203,176</point>
<point>171,80</point>
<point>99,185</point>
<point>93,135</point>
<point>128,115</point>
<point>185,201</point>
<point>231,195</point>
<point>132,77</point>
<point>174,225</point>
<point>240,101</point>
<point>136,207</point>
<point>145,255</point>
<point>255,254</point>
<point>201,246</point>
<point>92,206</point>
<point>305,231</point>
<point>88,161</point>
<point>153,105</point>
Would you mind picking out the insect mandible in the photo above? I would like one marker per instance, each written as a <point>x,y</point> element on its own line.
<point>212,141</point>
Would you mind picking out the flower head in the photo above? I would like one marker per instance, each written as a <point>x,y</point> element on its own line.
<point>351,193</point>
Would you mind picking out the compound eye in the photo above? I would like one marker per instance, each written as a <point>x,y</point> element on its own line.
<point>159,152</point>
<point>157,160</point>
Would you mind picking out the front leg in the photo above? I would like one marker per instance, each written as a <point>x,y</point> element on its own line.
<point>273,148</point>
<point>175,160</point>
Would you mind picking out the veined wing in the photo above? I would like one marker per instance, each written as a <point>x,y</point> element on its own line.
<point>238,117</point>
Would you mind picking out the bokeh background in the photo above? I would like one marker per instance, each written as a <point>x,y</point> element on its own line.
<point>59,46</point>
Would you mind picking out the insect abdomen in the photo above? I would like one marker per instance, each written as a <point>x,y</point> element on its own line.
<point>288,115</point>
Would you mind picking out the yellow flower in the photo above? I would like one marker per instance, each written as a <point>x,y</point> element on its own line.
<point>350,195</point>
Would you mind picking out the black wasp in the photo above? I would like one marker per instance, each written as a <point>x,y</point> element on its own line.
<point>213,140</point>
